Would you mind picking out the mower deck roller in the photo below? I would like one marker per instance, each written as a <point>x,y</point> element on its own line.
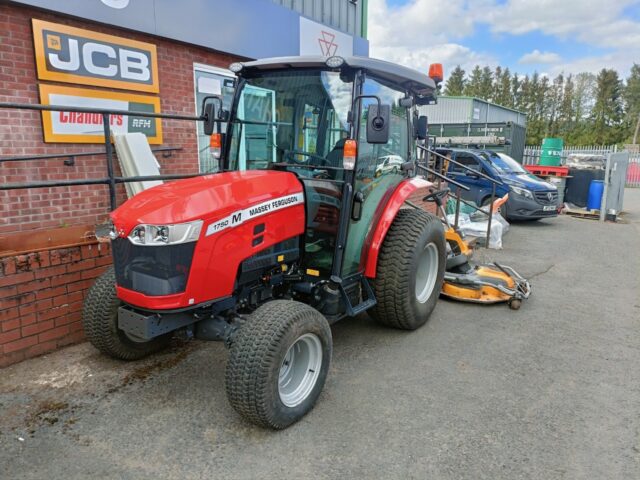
<point>301,227</point>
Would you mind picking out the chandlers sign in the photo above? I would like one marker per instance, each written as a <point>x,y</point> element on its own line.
<point>73,55</point>
<point>75,127</point>
<point>241,216</point>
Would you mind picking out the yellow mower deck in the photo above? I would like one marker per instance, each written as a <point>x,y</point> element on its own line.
<point>486,284</point>
<point>482,293</point>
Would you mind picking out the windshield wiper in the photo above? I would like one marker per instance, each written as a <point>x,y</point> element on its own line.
<point>256,122</point>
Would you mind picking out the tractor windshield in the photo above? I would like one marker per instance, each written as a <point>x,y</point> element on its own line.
<point>293,117</point>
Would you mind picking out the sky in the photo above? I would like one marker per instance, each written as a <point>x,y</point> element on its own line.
<point>547,36</point>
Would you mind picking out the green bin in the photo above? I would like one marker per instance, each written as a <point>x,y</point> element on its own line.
<point>551,155</point>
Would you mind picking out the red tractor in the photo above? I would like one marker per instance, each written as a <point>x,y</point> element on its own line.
<point>301,227</point>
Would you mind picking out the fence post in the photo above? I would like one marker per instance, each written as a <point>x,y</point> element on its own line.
<point>493,196</point>
<point>109,152</point>
<point>603,200</point>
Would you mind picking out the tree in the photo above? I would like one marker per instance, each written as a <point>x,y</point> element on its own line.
<point>502,88</point>
<point>516,91</point>
<point>554,101</point>
<point>456,82</point>
<point>566,109</point>
<point>632,103</point>
<point>583,96</point>
<point>608,108</point>
<point>473,85</point>
<point>495,88</point>
<point>583,109</point>
<point>486,84</point>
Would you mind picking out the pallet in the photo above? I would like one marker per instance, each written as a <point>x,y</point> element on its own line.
<point>547,171</point>
<point>590,214</point>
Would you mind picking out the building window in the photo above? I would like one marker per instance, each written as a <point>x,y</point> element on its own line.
<point>210,81</point>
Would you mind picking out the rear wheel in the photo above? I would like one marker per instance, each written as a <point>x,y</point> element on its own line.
<point>410,270</point>
<point>100,322</point>
<point>278,363</point>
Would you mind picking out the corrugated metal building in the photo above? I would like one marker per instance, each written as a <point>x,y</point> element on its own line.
<point>347,15</point>
<point>471,122</point>
<point>471,110</point>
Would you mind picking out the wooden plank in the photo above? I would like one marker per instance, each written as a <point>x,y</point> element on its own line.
<point>591,214</point>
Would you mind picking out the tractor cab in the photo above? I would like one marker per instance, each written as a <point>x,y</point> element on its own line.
<point>306,222</point>
<point>346,127</point>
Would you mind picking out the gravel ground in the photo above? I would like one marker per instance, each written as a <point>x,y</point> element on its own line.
<point>548,392</point>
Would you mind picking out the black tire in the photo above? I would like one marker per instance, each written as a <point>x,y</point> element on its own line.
<point>395,283</point>
<point>257,355</point>
<point>515,304</point>
<point>502,209</point>
<point>100,321</point>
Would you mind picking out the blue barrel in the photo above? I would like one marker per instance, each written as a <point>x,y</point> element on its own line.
<point>594,200</point>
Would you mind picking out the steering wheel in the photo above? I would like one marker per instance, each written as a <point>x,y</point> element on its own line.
<point>436,196</point>
<point>292,153</point>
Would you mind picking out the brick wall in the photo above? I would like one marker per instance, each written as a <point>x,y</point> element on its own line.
<point>41,297</point>
<point>21,131</point>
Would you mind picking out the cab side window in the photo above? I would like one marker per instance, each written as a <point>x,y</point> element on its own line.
<point>375,160</point>
<point>467,160</point>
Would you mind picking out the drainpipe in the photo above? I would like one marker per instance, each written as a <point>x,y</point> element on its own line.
<point>364,19</point>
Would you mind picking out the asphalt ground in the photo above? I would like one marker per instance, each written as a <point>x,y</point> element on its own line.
<point>551,391</point>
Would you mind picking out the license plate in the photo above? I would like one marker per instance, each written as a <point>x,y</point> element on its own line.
<point>548,208</point>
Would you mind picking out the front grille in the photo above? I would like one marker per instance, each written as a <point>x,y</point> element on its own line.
<point>153,270</point>
<point>549,197</point>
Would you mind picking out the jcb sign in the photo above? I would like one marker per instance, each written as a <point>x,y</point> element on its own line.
<point>74,55</point>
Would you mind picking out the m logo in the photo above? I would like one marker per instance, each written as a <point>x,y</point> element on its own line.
<point>327,44</point>
<point>68,54</point>
<point>319,39</point>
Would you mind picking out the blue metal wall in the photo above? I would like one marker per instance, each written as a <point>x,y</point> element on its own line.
<point>247,28</point>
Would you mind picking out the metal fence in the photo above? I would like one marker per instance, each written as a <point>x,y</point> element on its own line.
<point>532,157</point>
<point>111,180</point>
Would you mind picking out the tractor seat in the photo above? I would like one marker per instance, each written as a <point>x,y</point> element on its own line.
<point>334,157</point>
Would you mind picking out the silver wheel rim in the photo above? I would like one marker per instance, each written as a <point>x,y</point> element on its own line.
<point>300,370</point>
<point>427,272</point>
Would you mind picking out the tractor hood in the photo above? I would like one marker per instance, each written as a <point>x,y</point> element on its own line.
<point>211,198</point>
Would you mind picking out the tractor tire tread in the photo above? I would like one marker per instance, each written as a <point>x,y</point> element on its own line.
<point>391,286</point>
<point>100,306</point>
<point>254,350</point>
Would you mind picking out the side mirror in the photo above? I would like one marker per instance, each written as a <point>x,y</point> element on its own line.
<point>378,122</point>
<point>209,113</point>
<point>212,112</point>
<point>421,128</point>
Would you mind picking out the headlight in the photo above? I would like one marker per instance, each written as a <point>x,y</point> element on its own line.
<point>523,192</point>
<point>334,62</point>
<point>156,235</point>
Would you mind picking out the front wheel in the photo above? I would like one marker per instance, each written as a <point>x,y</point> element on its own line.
<point>278,363</point>
<point>100,322</point>
<point>410,270</point>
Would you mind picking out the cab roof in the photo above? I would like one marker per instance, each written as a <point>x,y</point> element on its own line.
<point>464,150</point>
<point>415,82</point>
